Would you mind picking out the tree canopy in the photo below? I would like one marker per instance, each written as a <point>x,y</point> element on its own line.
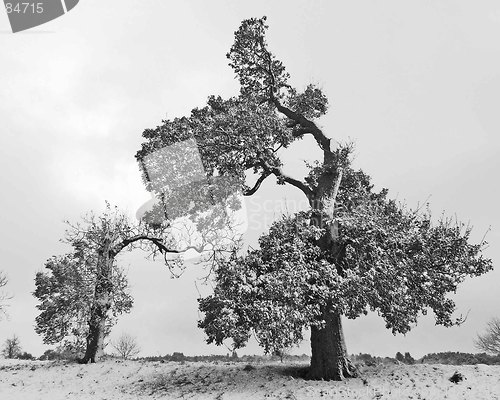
<point>66,291</point>
<point>391,260</point>
<point>82,293</point>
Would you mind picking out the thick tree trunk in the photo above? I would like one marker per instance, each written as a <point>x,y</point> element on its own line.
<point>95,339</point>
<point>329,359</point>
<point>100,308</point>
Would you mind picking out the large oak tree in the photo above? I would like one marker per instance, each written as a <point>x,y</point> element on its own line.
<point>354,249</point>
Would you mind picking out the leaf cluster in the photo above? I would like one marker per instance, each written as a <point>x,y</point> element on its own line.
<point>389,259</point>
<point>267,290</point>
<point>258,70</point>
<point>232,136</point>
<point>245,132</point>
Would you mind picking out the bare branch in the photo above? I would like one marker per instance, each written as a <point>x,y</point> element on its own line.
<point>306,125</point>
<point>490,341</point>
<point>298,132</point>
<point>288,179</point>
<point>158,242</point>
<point>256,187</point>
<point>3,296</point>
<point>126,346</point>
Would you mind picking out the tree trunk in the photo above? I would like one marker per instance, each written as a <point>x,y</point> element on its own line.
<point>95,338</point>
<point>329,354</point>
<point>99,311</point>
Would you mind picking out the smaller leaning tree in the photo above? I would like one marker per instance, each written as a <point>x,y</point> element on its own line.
<point>66,291</point>
<point>83,292</point>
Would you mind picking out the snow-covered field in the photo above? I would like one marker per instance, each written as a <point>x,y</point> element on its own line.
<point>114,379</point>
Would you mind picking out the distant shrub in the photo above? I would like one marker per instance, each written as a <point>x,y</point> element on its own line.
<point>405,359</point>
<point>63,352</point>
<point>456,377</point>
<point>12,347</point>
<point>177,357</point>
<point>367,359</point>
<point>49,355</point>
<point>26,356</point>
<point>408,359</point>
<point>126,346</point>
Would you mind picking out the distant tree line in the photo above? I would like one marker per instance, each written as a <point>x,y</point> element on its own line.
<point>12,349</point>
<point>458,358</point>
<point>449,357</point>
<point>180,357</point>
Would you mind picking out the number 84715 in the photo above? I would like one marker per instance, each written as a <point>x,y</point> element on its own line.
<point>23,8</point>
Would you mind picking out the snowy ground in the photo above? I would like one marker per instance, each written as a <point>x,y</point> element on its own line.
<point>170,380</point>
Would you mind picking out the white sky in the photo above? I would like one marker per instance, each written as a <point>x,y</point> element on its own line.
<point>417,86</point>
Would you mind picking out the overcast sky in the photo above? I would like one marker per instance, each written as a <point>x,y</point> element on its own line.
<point>415,85</point>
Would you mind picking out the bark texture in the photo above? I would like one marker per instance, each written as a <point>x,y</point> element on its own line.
<point>329,359</point>
<point>100,308</point>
